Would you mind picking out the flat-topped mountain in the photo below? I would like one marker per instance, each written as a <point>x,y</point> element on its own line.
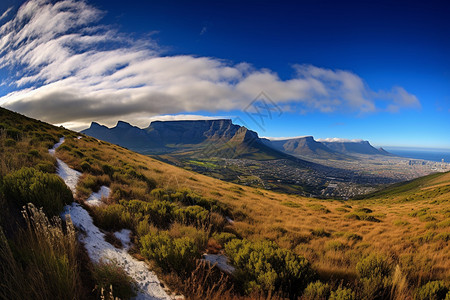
<point>305,146</point>
<point>219,138</point>
<point>352,147</point>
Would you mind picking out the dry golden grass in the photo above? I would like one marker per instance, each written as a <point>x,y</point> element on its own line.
<point>410,227</point>
<point>419,244</point>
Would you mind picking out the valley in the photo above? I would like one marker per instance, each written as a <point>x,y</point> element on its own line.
<point>301,166</point>
<point>176,215</point>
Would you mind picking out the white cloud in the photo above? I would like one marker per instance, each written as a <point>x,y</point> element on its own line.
<point>67,69</point>
<point>6,13</point>
<point>286,138</point>
<point>339,140</point>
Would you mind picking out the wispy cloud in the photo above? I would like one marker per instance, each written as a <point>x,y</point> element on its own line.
<point>66,68</point>
<point>6,13</point>
<point>203,31</point>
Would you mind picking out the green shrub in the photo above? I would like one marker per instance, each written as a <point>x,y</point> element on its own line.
<point>400,222</point>
<point>112,217</point>
<point>85,166</point>
<point>317,291</point>
<point>13,133</point>
<point>364,210</point>
<point>433,290</point>
<point>159,194</point>
<point>361,216</point>
<point>318,207</point>
<point>109,275</point>
<point>342,294</point>
<point>353,237</point>
<point>42,189</point>
<point>46,167</point>
<point>374,272</point>
<point>192,215</point>
<point>373,265</point>
<point>160,213</point>
<point>335,246</point>
<point>427,218</point>
<point>265,266</point>
<point>34,153</point>
<point>108,169</point>
<point>223,237</point>
<point>171,254</point>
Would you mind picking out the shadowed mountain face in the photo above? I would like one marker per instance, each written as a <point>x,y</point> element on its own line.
<point>219,138</point>
<point>305,146</point>
<point>362,147</point>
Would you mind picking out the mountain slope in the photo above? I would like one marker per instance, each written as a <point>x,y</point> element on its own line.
<point>353,147</point>
<point>165,204</point>
<point>200,138</point>
<point>305,146</point>
<point>433,185</point>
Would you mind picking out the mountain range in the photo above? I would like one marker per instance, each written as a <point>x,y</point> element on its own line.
<point>210,138</point>
<point>222,138</point>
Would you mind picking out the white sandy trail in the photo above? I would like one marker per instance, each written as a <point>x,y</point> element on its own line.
<point>149,287</point>
<point>95,199</point>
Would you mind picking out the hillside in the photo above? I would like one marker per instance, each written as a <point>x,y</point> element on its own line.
<point>200,138</point>
<point>306,146</point>
<point>353,147</point>
<point>403,231</point>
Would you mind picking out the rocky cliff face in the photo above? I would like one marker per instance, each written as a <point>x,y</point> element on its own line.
<point>190,132</point>
<point>305,146</point>
<point>362,147</point>
<point>169,136</point>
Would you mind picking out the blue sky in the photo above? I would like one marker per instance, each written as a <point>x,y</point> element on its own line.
<point>374,70</point>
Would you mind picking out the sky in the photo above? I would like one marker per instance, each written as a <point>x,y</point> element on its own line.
<point>371,70</point>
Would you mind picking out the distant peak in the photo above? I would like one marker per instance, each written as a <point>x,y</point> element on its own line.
<point>193,121</point>
<point>123,124</point>
<point>95,124</point>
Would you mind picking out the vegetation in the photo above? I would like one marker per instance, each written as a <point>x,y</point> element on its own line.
<point>111,279</point>
<point>263,265</point>
<point>29,185</point>
<point>280,245</point>
<point>42,262</point>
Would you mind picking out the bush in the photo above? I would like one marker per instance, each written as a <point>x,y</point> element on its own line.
<point>160,213</point>
<point>342,294</point>
<point>361,216</point>
<point>335,246</point>
<point>42,189</point>
<point>112,217</point>
<point>433,290</point>
<point>109,275</point>
<point>192,215</point>
<point>374,272</point>
<point>317,291</point>
<point>177,254</point>
<point>223,237</point>
<point>85,166</point>
<point>264,266</point>
<point>372,266</point>
<point>13,133</point>
<point>46,167</point>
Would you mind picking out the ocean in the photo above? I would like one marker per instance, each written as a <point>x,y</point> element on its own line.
<point>421,153</point>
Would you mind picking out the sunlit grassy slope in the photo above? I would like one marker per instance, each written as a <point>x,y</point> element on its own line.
<point>406,223</point>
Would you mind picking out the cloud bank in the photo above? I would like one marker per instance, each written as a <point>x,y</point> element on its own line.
<point>66,68</point>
